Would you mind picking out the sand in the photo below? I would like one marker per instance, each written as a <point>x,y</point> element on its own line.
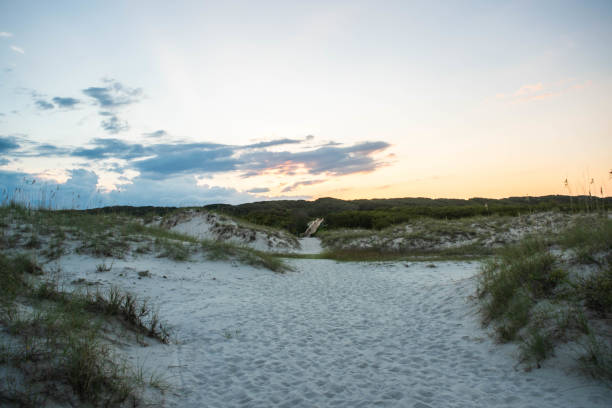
<point>332,335</point>
<point>211,226</point>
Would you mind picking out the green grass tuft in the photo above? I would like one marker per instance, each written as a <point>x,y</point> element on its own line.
<point>61,339</point>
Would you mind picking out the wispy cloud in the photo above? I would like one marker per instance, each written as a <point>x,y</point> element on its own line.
<point>113,95</point>
<point>332,160</point>
<point>112,148</point>
<point>41,102</point>
<point>22,146</point>
<point>8,143</point>
<point>113,124</point>
<point>301,183</point>
<point>17,49</point>
<point>4,34</point>
<point>178,159</point>
<point>539,90</point>
<point>156,134</point>
<point>259,190</point>
<point>276,142</point>
<point>44,105</point>
<point>161,161</point>
<point>111,98</point>
<point>65,102</point>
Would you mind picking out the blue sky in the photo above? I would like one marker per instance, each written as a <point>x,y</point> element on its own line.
<point>182,103</point>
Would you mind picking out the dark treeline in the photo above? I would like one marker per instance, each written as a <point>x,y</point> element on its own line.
<point>293,215</point>
<point>380,213</point>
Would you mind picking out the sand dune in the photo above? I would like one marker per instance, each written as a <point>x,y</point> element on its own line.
<point>332,334</point>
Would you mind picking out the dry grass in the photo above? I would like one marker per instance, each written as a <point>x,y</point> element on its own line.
<point>542,298</point>
<point>58,349</point>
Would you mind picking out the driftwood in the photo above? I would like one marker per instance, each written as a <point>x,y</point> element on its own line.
<point>313,226</point>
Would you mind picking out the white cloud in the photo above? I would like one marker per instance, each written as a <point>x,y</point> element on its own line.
<point>17,49</point>
<point>4,34</point>
<point>539,91</point>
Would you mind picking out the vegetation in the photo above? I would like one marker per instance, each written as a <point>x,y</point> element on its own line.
<point>61,340</point>
<point>293,215</point>
<point>530,293</point>
<point>105,234</point>
<point>216,250</point>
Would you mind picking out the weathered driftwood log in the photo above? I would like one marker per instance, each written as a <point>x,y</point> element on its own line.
<point>313,226</point>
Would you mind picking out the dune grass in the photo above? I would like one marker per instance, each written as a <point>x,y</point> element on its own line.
<point>473,237</point>
<point>533,294</point>
<point>108,235</point>
<point>215,250</point>
<point>60,351</point>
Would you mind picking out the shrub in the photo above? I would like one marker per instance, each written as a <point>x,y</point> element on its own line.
<point>536,347</point>
<point>597,359</point>
<point>596,290</point>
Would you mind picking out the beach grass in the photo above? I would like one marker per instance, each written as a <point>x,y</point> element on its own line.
<point>550,289</point>
<point>60,348</point>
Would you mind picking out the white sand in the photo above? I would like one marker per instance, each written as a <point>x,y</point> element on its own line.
<point>332,335</point>
<point>310,245</point>
<point>211,226</point>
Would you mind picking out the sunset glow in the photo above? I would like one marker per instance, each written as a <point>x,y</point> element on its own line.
<point>156,103</point>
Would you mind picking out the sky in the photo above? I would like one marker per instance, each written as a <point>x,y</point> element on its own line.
<point>197,102</point>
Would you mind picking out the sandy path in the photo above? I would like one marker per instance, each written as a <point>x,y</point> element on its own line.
<point>310,245</point>
<point>337,335</point>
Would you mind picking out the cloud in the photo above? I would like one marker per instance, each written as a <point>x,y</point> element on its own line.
<point>301,183</point>
<point>17,49</point>
<point>111,98</point>
<point>4,34</point>
<point>172,159</point>
<point>177,159</point>
<point>10,181</point>
<point>258,190</point>
<point>329,159</point>
<point>529,89</point>
<point>539,91</point>
<point>4,161</point>
<point>270,143</point>
<point>80,191</point>
<point>21,146</point>
<point>113,124</point>
<point>47,150</point>
<point>163,161</point>
<point>114,95</point>
<point>175,191</point>
<point>156,134</point>
<point>8,143</point>
<point>65,102</point>
<point>44,105</point>
<point>28,189</point>
<point>112,148</point>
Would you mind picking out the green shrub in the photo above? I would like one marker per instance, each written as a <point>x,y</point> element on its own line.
<point>596,290</point>
<point>536,347</point>
<point>516,316</point>
<point>597,359</point>
<point>588,237</point>
<point>510,284</point>
<point>13,275</point>
<point>175,250</point>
